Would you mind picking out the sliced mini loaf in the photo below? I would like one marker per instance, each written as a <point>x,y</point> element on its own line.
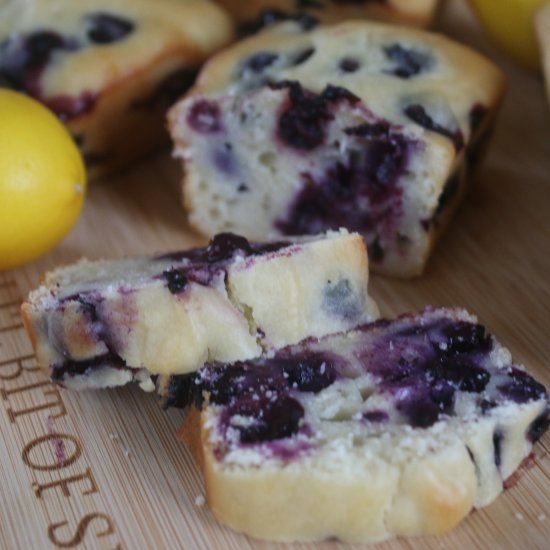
<point>361,125</point>
<point>411,12</point>
<point>106,323</point>
<point>109,68</point>
<point>397,428</point>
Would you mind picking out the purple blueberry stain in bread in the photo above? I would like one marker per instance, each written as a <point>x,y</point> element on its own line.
<point>106,28</point>
<point>67,107</point>
<point>304,115</point>
<point>361,191</point>
<point>521,387</point>
<point>224,160</point>
<point>341,299</point>
<point>407,62</point>
<point>377,417</point>
<point>267,418</point>
<point>417,113</point>
<point>205,117</point>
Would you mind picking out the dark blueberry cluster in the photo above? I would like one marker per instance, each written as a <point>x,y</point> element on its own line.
<point>407,62</point>
<point>361,191</point>
<point>263,392</point>
<point>24,58</point>
<point>302,123</point>
<point>418,114</point>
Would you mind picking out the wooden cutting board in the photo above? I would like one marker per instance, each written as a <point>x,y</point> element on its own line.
<point>104,469</point>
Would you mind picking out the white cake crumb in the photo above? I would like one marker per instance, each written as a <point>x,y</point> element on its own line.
<point>199,500</point>
<point>519,516</point>
<point>541,517</point>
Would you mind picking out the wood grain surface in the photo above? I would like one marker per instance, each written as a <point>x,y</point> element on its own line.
<point>104,469</point>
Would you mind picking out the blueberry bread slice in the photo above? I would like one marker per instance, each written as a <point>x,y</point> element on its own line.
<point>397,428</point>
<point>108,68</point>
<point>542,26</point>
<point>360,125</point>
<point>106,323</point>
<point>250,14</point>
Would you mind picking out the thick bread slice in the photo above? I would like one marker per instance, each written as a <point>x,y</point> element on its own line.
<point>361,125</point>
<point>104,323</point>
<point>395,428</point>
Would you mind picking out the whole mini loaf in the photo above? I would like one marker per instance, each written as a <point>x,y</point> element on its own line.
<point>108,68</point>
<point>358,125</point>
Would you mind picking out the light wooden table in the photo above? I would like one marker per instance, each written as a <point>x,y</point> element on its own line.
<point>104,470</point>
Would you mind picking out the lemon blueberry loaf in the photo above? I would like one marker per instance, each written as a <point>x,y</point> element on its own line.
<point>106,323</point>
<point>396,428</point>
<point>108,68</point>
<point>360,125</point>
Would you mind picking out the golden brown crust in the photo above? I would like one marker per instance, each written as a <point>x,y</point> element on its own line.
<point>372,501</point>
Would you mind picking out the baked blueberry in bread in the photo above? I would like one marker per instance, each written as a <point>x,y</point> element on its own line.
<point>360,125</point>
<point>411,12</point>
<point>106,323</point>
<point>395,428</point>
<point>108,68</point>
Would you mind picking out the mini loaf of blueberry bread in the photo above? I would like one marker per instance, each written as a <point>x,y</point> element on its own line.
<point>108,68</point>
<point>397,428</point>
<point>106,323</point>
<point>360,125</point>
<point>542,25</point>
<point>412,12</point>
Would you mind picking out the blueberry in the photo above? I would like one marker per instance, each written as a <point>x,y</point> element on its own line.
<point>204,117</point>
<point>307,373</point>
<point>349,65</point>
<point>224,246</point>
<point>418,114</point>
<point>105,28</point>
<point>498,438</point>
<point>465,337</point>
<point>341,299</point>
<point>407,61</point>
<point>271,420</point>
<point>176,280</point>
<point>303,56</point>
<point>260,61</point>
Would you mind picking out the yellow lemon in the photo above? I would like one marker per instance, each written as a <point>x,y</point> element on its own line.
<point>42,180</point>
<point>510,24</point>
